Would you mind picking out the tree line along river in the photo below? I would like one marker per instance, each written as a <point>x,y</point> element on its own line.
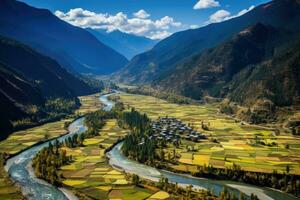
<point>20,170</point>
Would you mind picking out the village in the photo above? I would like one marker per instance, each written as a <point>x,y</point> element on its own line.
<point>172,130</point>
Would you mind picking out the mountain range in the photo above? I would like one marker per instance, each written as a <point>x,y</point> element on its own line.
<point>227,58</point>
<point>126,44</point>
<point>176,48</point>
<point>243,66</point>
<point>74,48</point>
<point>28,79</point>
<point>251,57</point>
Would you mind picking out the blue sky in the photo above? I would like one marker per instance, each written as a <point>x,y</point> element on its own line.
<point>158,18</point>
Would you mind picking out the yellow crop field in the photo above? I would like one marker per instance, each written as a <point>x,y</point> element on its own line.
<point>91,172</point>
<point>201,160</point>
<point>72,182</point>
<point>254,148</point>
<point>21,140</point>
<point>89,103</point>
<point>160,195</point>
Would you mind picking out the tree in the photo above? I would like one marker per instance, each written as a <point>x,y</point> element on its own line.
<point>241,197</point>
<point>135,179</point>
<point>287,169</point>
<point>253,197</point>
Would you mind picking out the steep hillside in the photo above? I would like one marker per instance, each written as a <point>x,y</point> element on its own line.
<point>74,48</point>
<point>126,44</point>
<point>284,14</point>
<point>242,67</point>
<point>45,73</point>
<point>277,79</point>
<point>29,82</point>
<point>15,93</point>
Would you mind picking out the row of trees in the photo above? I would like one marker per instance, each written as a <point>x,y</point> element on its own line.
<point>285,182</point>
<point>74,141</point>
<point>48,161</point>
<point>189,193</point>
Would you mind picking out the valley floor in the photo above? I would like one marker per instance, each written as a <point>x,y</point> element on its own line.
<point>229,142</point>
<point>91,176</point>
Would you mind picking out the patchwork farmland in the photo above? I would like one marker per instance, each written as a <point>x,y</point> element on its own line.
<point>92,176</point>
<point>229,141</point>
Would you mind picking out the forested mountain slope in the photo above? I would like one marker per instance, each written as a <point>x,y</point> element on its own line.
<point>27,80</point>
<point>144,68</point>
<point>242,68</point>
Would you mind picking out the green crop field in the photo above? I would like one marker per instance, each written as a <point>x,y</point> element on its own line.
<point>91,174</point>
<point>234,143</point>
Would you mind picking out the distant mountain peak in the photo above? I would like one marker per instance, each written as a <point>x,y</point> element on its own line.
<point>127,44</point>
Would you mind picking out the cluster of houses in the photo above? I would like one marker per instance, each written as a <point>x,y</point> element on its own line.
<point>172,130</point>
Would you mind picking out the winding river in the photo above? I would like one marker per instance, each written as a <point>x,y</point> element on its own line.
<point>119,161</point>
<point>19,168</point>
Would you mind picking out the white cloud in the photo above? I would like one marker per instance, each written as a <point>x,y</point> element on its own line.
<point>223,15</point>
<point>139,25</point>
<point>194,26</point>
<point>141,14</point>
<point>202,4</point>
<point>242,12</point>
<point>219,16</point>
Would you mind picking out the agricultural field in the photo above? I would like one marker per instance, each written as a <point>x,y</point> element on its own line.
<point>91,174</point>
<point>254,148</point>
<point>21,140</point>
<point>89,104</point>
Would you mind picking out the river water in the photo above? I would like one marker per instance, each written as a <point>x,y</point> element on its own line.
<point>19,168</point>
<point>119,161</point>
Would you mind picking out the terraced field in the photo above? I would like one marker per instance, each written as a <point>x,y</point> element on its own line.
<point>91,174</point>
<point>254,148</point>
